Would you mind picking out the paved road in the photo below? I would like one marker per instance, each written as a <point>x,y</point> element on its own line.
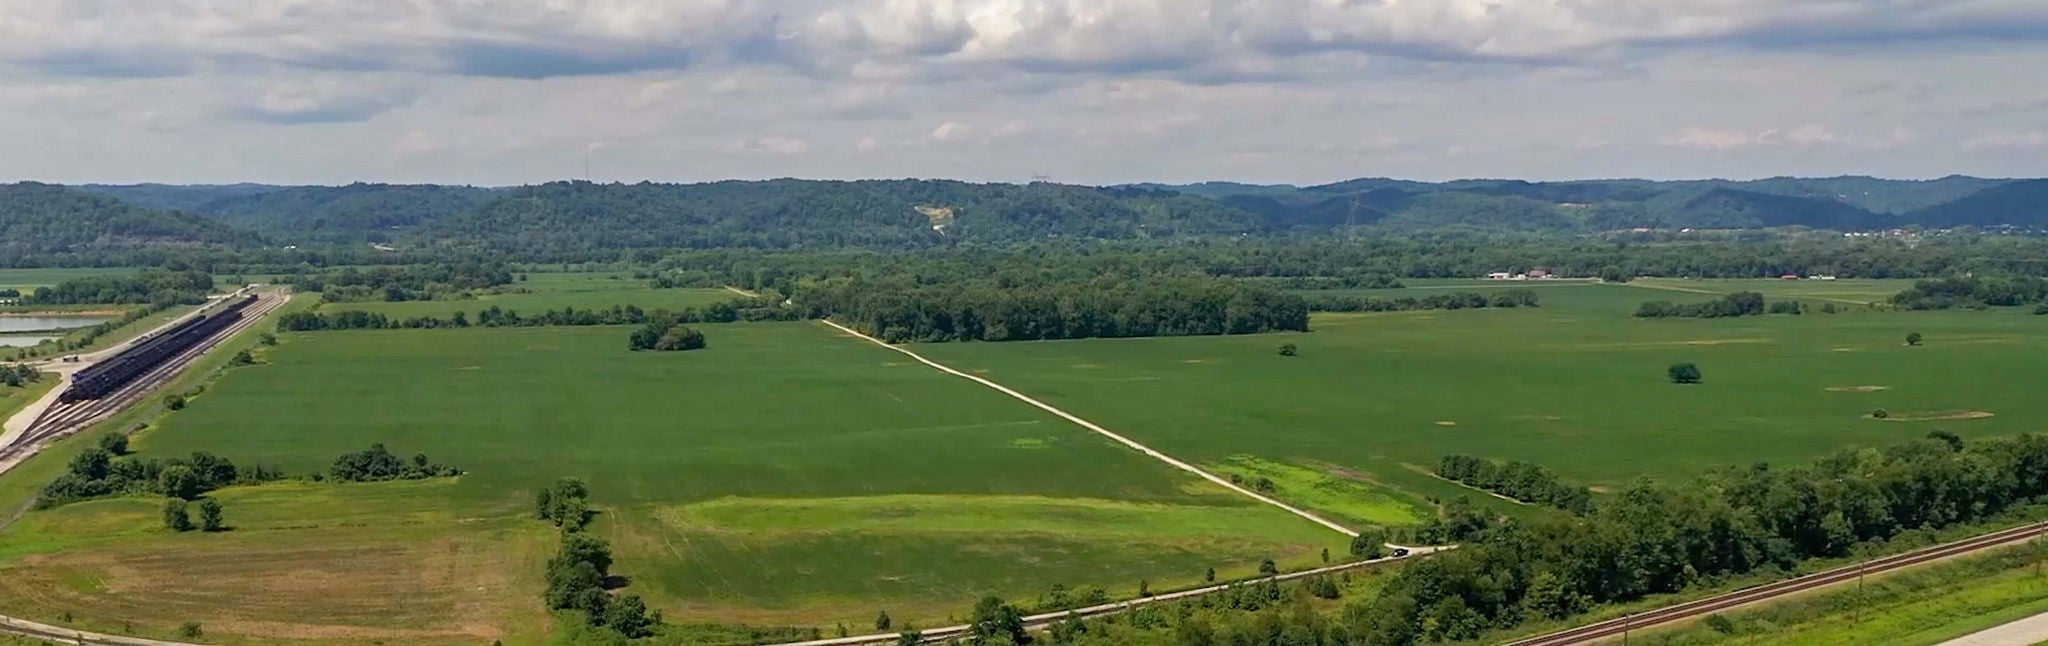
<point>2025,632</point>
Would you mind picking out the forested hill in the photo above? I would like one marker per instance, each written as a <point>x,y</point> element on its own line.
<point>313,214</point>
<point>38,219</point>
<point>1837,203</point>
<point>568,216</point>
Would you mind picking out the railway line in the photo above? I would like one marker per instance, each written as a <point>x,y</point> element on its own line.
<point>1695,609</point>
<point>65,417</point>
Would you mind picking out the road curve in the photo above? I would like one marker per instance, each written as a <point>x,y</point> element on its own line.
<point>1702,607</point>
<point>1155,454</point>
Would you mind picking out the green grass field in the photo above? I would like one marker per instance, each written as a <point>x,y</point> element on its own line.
<point>785,475</point>
<point>554,291</point>
<point>1576,385</point>
<point>789,475</point>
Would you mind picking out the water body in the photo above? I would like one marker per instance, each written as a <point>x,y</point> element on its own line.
<point>39,328</point>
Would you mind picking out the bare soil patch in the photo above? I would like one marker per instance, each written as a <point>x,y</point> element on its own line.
<point>1857,389</point>
<point>1445,422</point>
<point>1930,416</point>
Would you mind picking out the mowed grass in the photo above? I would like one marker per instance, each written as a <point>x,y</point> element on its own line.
<point>785,475</point>
<point>553,291</point>
<point>1576,385</point>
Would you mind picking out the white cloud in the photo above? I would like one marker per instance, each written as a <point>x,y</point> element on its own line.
<point>773,145</point>
<point>1708,139</point>
<point>2016,140</point>
<point>1280,90</point>
<point>952,132</point>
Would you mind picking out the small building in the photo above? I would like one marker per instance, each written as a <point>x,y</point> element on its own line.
<point>1790,276</point>
<point>1539,274</point>
<point>1499,275</point>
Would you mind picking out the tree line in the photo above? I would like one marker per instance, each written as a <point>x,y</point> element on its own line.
<point>931,308</point>
<point>1524,481</point>
<point>148,286</point>
<point>494,316</point>
<point>1657,538</point>
<point>1452,301</point>
<point>107,469</point>
<point>1973,292</point>
<point>579,575</point>
<point>1731,305</point>
<point>421,282</point>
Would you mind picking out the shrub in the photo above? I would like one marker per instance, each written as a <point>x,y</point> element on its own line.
<point>1684,373</point>
<point>1913,339</point>
<point>1880,414</point>
<point>1289,350</point>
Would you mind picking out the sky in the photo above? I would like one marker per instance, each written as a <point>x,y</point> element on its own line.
<point>1082,91</point>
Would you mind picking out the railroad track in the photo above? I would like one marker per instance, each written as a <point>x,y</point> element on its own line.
<point>1694,609</point>
<point>63,418</point>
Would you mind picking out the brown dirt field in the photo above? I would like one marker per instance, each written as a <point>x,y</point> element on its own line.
<point>1445,422</point>
<point>332,588</point>
<point>1857,389</point>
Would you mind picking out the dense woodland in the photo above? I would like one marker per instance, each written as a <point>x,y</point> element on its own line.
<point>1973,292</point>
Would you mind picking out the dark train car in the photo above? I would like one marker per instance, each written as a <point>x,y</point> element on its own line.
<point>105,377</point>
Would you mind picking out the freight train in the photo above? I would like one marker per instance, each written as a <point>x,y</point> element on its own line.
<point>110,375</point>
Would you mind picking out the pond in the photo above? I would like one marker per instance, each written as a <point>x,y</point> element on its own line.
<point>27,330</point>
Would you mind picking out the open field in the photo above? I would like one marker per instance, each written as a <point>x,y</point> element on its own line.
<point>554,291</point>
<point>1576,385</point>
<point>782,476</point>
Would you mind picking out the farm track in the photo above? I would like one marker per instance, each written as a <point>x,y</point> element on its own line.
<point>62,419</point>
<point>1695,609</point>
<point>1098,429</point>
<point>1044,620</point>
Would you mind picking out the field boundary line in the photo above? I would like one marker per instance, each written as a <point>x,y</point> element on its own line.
<point>1154,453</point>
<point>1045,619</point>
<point>1709,292</point>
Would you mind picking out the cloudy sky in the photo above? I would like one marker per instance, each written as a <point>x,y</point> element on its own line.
<point>1088,91</point>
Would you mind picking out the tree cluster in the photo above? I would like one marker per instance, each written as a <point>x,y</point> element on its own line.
<point>1973,292</point>
<point>581,569</point>
<point>16,375</point>
<point>1451,301</point>
<point>566,504</point>
<point>177,515</point>
<point>1524,481</point>
<point>1736,304</point>
<point>101,471</point>
<point>660,337</point>
<point>377,464</point>
<point>148,286</point>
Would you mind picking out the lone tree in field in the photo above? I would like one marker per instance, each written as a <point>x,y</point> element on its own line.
<point>175,517</point>
<point>209,516</point>
<point>174,401</point>
<point>1684,373</point>
<point>1913,339</point>
<point>1288,350</point>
